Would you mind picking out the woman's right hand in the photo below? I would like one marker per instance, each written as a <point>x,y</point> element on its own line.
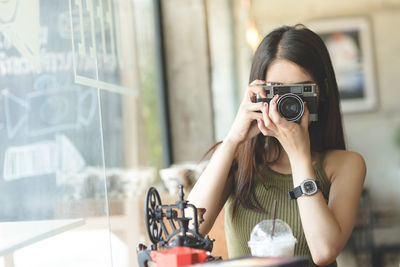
<point>245,124</point>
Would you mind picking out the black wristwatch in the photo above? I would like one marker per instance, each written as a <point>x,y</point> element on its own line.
<point>307,187</point>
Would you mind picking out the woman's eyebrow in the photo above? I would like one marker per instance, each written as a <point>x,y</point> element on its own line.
<point>305,82</point>
<point>290,83</point>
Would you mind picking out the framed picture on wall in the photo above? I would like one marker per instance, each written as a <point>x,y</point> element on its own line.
<point>350,46</point>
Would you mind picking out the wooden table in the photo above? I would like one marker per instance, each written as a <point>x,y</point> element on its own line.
<point>259,262</point>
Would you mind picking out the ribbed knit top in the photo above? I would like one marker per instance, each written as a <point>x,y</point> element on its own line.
<point>271,186</point>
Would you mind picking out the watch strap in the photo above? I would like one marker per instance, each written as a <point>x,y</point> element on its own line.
<point>297,192</point>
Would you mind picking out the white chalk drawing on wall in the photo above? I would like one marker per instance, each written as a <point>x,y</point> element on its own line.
<point>20,24</point>
<point>8,11</point>
<point>44,112</point>
<point>52,112</point>
<point>59,157</point>
<point>96,22</point>
<point>2,125</point>
<point>70,160</point>
<point>2,120</point>
<point>86,107</point>
<point>16,112</point>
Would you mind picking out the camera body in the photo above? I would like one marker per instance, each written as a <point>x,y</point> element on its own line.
<point>291,97</point>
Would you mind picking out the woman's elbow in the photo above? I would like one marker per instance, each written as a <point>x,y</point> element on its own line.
<point>325,256</point>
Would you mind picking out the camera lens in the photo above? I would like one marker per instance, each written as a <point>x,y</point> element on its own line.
<point>290,106</point>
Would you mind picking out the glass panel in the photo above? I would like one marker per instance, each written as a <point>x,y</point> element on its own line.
<point>79,129</point>
<point>51,139</point>
<point>134,117</point>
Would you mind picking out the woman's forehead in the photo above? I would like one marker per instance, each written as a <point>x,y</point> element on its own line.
<point>285,72</point>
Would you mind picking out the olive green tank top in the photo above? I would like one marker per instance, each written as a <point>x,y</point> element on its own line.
<point>274,185</point>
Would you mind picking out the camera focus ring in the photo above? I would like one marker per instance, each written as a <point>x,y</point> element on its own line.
<point>290,106</point>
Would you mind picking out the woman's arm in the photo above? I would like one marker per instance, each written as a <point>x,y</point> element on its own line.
<point>213,186</point>
<point>326,226</point>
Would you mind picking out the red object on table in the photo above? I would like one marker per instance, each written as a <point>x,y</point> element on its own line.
<point>178,256</point>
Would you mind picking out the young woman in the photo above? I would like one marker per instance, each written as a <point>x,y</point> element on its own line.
<point>264,156</point>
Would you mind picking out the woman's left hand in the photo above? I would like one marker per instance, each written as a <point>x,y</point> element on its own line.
<point>293,137</point>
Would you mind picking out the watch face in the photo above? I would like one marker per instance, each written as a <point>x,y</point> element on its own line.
<point>309,187</point>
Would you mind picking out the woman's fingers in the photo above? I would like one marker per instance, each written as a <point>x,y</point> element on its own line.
<point>254,89</point>
<point>267,127</point>
<point>255,82</point>
<point>273,111</point>
<point>267,120</point>
<point>264,130</point>
<point>305,118</point>
<point>251,111</point>
<point>270,120</point>
<point>254,106</point>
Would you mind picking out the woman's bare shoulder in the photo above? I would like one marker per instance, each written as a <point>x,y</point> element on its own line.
<point>342,155</point>
<point>338,163</point>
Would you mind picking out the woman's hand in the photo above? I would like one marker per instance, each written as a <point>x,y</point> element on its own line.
<point>293,137</point>
<point>245,125</point>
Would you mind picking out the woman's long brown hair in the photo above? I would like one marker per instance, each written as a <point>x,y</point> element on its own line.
<point>305,48</point>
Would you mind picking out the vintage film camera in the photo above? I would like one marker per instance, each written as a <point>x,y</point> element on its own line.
<point>291,97</point>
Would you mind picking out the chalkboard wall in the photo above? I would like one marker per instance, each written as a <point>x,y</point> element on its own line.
<point>54,110</point>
